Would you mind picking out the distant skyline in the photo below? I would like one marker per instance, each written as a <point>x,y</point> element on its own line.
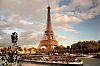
<point>72,21</point>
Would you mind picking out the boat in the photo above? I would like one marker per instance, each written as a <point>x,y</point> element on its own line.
<point>60,60</point>
<point>97,56</point>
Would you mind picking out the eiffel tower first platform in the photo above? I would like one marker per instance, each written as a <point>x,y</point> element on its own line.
<point>48,40</point>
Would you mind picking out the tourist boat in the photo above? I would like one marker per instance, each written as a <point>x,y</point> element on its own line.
<point>61,60</point>
<point>78,63</point>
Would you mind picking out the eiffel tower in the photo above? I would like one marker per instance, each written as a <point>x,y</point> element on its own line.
<point>48,40</point>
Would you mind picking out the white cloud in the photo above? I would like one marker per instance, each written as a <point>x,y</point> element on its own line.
<point>62,38</point>
<point>1,37</point>
<point>83,10</point>
<point>10,31</point>
<point>63,22</point>
<point>68,28</point>
<point>25,22</point>
<point>66,18</point>
<point>81,3</point>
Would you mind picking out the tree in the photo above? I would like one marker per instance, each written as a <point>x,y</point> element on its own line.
<point>68,47</point>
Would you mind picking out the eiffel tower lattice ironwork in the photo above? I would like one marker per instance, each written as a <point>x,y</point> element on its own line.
<point>48,39</point>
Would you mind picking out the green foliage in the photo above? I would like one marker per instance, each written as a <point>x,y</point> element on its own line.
<point>87,46</point>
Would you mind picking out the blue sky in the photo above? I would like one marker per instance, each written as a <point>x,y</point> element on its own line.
<point>72,20</point>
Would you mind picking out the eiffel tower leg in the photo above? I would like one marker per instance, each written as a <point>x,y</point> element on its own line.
<point>39,47</point>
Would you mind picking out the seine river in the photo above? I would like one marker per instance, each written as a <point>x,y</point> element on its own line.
<point>87,62</point>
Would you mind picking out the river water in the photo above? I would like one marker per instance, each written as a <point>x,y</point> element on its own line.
<point>87,62</point>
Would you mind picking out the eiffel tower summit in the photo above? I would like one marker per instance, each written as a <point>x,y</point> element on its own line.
<point>48,40</point>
